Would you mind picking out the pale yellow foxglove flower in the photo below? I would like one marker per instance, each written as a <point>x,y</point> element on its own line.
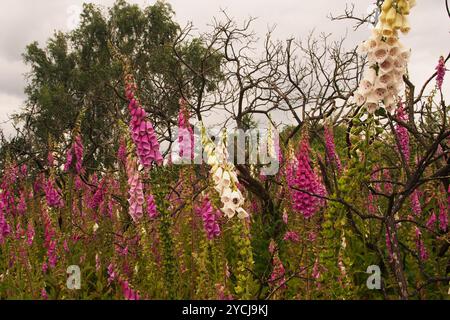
<point>382,17</point>
<point>380,84</point>
<point>371,107</point>
<point>380,93</point>
<point>226,195</point>
<point>390,16</point>
<point>381,53</point>
<point>405,54</point>
<point>385,79</point>
<point>359,99</point>
<point>404,7</point>
<point>228,211</point>
<point>370,75</point>
<point>388,30</point>
<point>387,4</point>
<point>394,51</point>
<point>217,175</point>
<point>389,100</point>
<point>398,23</point>
<point>392,42</point>
<point>365,86</point>
<point>242,214</point>
<point>399,64</point>
<point>405,28</point>
<point>372,98</point>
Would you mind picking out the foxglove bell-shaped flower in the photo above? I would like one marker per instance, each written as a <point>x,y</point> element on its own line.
<point>5,229</point>
<point>151,207</point>
<point>278,276</point>
<point>30,233</point>
<point>291,236</point>
<point>431,221</point>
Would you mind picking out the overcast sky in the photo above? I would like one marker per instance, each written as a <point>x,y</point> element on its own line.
<point>25,21</point>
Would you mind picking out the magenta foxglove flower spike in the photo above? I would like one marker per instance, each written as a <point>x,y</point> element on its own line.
<point>306,187</point>
<point>122,152</point>
<point>415,203</point>
<point>30,233</point>
<point>142,132</point>
<point>52,195</point>
<point>209,216</point>
<point>332,156</point>
<point>423,254</point>
<point>75,151</point>
<point>402,133</point>
<point>291,236</point>
<point>278,276</point>
<point>440,72</point>
<point>443,216</point>
<point>22,206</point>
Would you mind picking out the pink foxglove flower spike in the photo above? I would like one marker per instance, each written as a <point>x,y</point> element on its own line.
<point>306,187</point>
<point>440,72</point>
<point>142,132</point>
<point>209,216</point>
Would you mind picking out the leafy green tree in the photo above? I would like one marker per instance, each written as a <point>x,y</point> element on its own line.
<point>79,70</point>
